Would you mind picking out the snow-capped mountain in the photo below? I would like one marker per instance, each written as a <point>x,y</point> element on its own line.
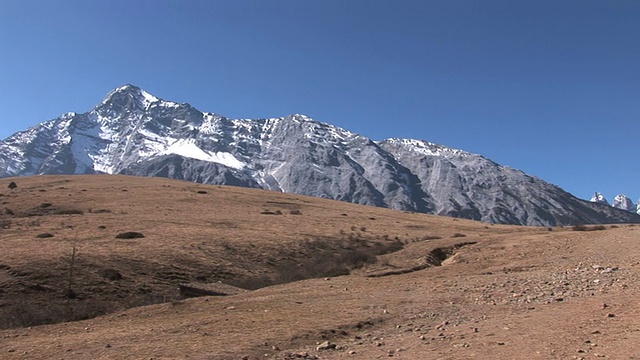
<point>623,202</point>
<point>133,132</point>
<point>599,198</point>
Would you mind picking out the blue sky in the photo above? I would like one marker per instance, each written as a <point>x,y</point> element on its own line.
<point>548,87</point>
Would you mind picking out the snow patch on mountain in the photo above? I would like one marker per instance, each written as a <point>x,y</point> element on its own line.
<point>426,148</point>
<point>623,202</point>
<point>599,198</point>
<point>188,148</point>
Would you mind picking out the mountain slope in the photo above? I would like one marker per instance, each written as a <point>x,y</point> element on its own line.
<point>134,132</point>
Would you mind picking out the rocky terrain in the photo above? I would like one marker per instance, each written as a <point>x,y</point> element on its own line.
<point>133,132</point>
<point>397,285</point>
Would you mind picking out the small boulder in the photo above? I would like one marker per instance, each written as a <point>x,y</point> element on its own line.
<point>326,346</point>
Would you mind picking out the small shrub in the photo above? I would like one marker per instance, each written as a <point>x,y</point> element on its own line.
<point>102,227</point>
<point>579,227</point>
<point>12,185</point>
<point>201,192</point>
<point>9,211</point>
<point>110,274</point>
<point>101,211</point>
<point>549,228</point>
<point>363,228</point>
<point>67,212</point>
<point>614,226</point>
<point>44,235</point>
<point>457,235</point>
<point>130,235</point>
<point>269,212</point>
<point>5,224</point>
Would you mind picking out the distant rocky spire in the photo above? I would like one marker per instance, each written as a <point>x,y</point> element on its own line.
<point>599,198</point>
<point>623,202</point>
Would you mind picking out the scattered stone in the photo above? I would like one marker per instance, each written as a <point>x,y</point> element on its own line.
<point>611,315</point>
<point>325,346</point>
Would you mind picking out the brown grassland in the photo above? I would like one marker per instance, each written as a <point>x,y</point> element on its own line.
<point>374,283</point>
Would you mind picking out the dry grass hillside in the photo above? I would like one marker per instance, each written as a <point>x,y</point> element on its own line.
<point>379,283</point>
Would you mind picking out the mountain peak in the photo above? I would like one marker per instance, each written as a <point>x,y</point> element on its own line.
<point>128,97</point>
<point>623,202</point>
<point>599,198</point>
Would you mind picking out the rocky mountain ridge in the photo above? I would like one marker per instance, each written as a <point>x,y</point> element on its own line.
<point>134,132</point>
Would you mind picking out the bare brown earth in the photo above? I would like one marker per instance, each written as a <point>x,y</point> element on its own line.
<point>379,283</point>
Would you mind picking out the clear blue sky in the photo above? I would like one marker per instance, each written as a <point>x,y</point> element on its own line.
<point>548,87</point>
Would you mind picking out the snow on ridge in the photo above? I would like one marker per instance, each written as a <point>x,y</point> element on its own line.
<point>188,148</point>
<point>148,98</point>
<point>427,148</point>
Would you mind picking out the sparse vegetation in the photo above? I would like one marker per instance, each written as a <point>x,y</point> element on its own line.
<point>329,258</point>
<point>130,235</point>
<point>580,227</point>
<point>100,211</point>
<point>67,212</point>
<point>110,274</point>
<point>458,235</point>
<point>44,235</point>
<point>5,223</point>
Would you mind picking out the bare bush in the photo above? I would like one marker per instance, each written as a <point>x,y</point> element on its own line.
<point>130,235</point>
